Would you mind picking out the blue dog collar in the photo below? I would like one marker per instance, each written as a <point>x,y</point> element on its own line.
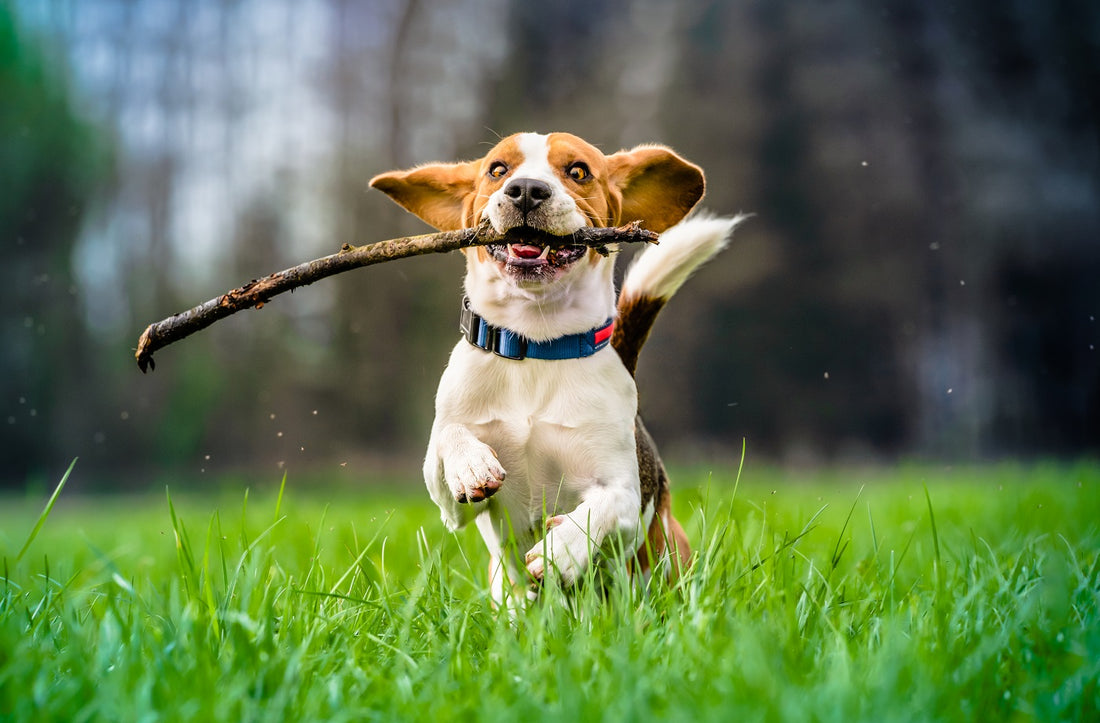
<point>510,345</point>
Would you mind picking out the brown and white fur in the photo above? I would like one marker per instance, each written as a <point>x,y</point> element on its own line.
<point>549,457</point>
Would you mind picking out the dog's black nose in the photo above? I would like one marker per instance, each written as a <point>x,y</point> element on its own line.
<point>527,193</point>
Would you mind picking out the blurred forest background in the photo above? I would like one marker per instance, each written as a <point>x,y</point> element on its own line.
<point>921,278</point>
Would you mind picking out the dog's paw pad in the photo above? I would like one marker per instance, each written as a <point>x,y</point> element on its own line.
<point>484,489</point>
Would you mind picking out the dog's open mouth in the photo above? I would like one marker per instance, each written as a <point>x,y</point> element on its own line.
<point>533,253</point>
<point>531,256</point>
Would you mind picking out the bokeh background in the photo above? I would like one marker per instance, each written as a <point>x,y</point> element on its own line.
<point>921,279</point>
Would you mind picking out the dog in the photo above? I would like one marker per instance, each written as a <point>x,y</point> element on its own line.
<point>537,437</point>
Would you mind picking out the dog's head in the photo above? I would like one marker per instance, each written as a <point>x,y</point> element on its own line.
<point>550,184</point>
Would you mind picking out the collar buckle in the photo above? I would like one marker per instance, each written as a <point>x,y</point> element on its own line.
<point>501,339</point>
<point>469,323</point>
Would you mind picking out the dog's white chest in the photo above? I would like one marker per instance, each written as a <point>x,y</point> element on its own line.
<point>557,427</point>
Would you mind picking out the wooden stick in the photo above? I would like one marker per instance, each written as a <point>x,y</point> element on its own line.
<point>259,291</point>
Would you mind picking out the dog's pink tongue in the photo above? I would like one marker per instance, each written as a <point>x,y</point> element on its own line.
<point>526,252</point>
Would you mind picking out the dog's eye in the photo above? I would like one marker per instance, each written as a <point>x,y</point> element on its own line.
<point>497,170</point>
<point>578,171</point>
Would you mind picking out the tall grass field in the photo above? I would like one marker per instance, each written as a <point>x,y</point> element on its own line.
<point>922,594</point>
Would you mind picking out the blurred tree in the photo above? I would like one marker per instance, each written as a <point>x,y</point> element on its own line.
<point>1028,135</point>
<point>918,278</point>
<point>50,161</point>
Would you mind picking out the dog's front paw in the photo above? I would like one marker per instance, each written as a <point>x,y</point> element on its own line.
<point>474,474</point>
<point>565,548</point>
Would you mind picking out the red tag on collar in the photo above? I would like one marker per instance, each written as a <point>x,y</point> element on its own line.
<point>602,335</point>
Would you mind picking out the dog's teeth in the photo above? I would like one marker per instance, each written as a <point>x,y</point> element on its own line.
<point>545,252</point>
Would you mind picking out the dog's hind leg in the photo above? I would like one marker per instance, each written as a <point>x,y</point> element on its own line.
<point>666,542</point>
<point>504,592</point>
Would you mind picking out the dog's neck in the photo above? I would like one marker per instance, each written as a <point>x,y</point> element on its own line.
<point>574,304</point>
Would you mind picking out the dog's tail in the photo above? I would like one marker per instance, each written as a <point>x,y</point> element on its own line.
<point>657,274</point>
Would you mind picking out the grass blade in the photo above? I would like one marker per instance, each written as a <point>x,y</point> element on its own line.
<point>841,546</point>
<point>740,468</point>
<point>183,545</point>
<point>46,511</point>
<point>279,499</point>
<point>935,533</point>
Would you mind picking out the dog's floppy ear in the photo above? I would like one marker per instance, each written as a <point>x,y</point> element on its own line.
<point>442,194</point>
<point>657,186</point>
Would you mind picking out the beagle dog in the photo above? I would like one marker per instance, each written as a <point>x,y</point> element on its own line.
<point>537,437</point>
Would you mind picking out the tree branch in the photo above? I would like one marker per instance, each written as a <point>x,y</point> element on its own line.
<point>259,291</point>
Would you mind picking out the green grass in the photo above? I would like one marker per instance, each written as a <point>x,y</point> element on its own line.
<point>904,594</point>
